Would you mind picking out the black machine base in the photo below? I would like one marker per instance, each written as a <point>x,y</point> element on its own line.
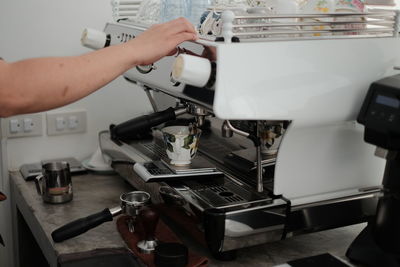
<point>226,255</point>
<point>365,251</point>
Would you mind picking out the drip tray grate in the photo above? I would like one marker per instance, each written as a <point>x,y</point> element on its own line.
<point>156,149</point>
<point>222,192</point>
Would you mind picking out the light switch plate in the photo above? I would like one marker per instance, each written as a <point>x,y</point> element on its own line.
<point>23,125</point>
<point>66,122</point>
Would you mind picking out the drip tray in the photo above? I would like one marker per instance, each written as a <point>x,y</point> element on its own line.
<point>223,192</point>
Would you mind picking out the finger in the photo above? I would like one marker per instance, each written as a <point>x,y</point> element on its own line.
<point>180,25</point>
<point>181,20</point>
<point>177,28</point>
<point>190,26</point>
<point>184,36</point>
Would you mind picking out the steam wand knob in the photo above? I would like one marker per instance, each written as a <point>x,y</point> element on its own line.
<point>95,39</point>
<point>193,70</point>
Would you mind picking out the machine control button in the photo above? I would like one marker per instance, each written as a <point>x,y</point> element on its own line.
<point>173,81</point>
<point>193,70</point>
<point>145,68</point>
<point>94,39</point>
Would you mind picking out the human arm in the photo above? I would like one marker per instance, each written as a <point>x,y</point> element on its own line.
<point>39,84</point>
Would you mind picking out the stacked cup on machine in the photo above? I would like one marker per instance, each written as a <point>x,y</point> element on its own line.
<point>190,9</point>
<point>125,9</point>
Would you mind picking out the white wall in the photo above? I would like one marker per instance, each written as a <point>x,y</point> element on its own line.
<point>35,28</point>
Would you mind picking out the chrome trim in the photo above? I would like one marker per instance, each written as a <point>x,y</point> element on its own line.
<point>150,97</point>
<point>237,131</point>
<point>337,200</point>
<point>116,211</point>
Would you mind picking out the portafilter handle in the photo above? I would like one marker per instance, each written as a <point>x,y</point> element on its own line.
<point>83,225</point>
<point>131,128</point>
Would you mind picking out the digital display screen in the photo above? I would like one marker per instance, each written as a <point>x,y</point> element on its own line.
<point>388,101</point>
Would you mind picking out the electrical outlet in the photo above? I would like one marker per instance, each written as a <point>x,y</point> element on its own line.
<point>66,122</point>
<point>23,125</point>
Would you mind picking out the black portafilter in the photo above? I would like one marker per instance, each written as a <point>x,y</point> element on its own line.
<point>81,225</point>
<point>139,127</point>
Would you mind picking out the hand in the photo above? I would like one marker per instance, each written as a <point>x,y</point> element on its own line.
<point>2,197</point>
<point>161,40</point>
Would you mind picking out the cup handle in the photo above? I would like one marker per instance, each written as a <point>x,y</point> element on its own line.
<point>38,182</point>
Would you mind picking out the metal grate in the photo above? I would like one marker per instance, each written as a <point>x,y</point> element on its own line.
<point>253,27</point>
<point>125,9</point>
<point>156,149</point>
<point>220,194</point>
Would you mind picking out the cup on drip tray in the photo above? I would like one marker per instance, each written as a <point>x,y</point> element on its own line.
<point>271,136</point>
<point>181,143</point>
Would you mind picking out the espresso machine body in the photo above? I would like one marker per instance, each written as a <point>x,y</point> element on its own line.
<point>307,93</point>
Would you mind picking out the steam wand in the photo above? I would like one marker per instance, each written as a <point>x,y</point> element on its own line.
<point>150,97</point>
<point>228,130</point>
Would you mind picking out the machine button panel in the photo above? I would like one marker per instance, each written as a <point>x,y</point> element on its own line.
<point>146,68</point>
<point>383,113</point>
<point>124,37</point>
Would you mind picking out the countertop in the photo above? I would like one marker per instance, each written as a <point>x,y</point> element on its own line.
<point>93,193</point>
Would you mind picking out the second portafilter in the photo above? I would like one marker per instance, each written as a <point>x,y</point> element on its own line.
<point>131,203</point>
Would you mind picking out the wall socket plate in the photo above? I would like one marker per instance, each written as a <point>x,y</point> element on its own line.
<point>23,125</point>
<point>66,122</point>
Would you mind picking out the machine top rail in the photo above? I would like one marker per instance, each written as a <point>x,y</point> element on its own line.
<point>227,26</point>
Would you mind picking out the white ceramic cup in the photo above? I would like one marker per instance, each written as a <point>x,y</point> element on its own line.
<point>271,137</point>
<point>181,146</point>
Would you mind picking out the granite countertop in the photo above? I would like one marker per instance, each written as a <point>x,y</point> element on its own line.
<point>93,193</point>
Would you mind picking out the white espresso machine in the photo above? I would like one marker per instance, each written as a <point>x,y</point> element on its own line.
<point>276,97</point>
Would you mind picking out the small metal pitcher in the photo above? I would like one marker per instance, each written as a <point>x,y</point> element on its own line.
<point>54,184</point>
